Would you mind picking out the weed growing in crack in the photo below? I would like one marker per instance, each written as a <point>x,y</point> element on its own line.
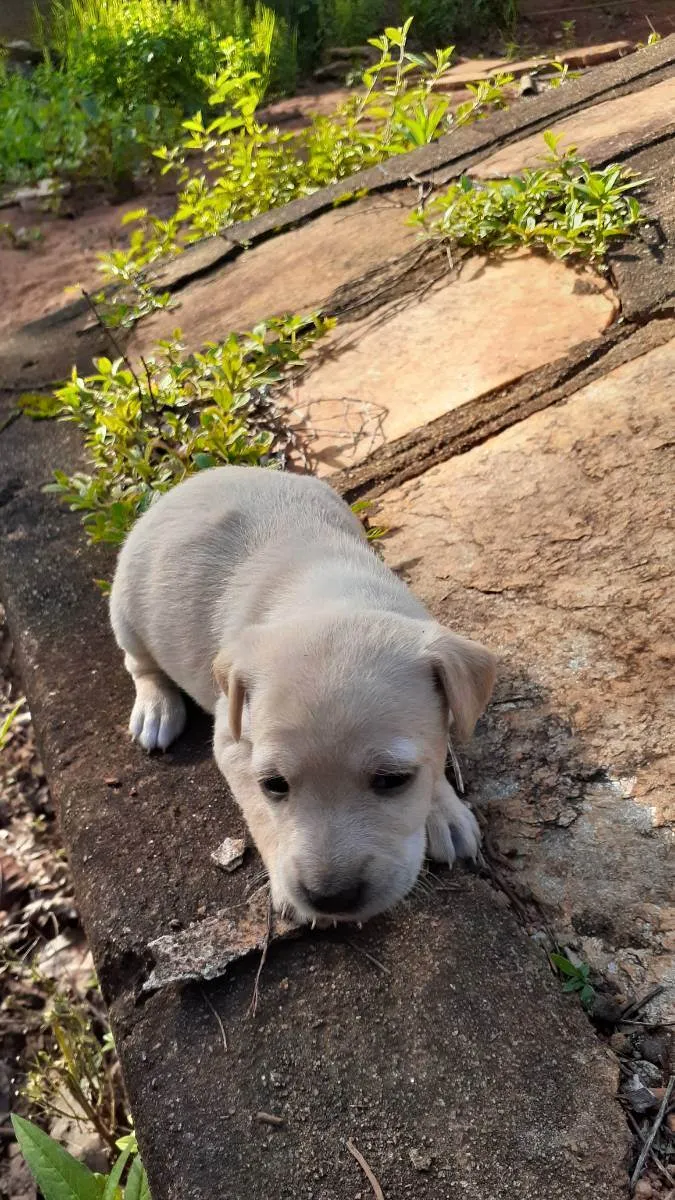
<point>575,976</point>
<point>564,207</point>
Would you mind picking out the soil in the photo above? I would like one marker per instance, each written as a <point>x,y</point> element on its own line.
<point>38,921</point>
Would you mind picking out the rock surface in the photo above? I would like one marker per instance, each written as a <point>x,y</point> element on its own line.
<point>551,543</point>
<point>411,363</point>
<point>295,272</point>
<point>600,131</point>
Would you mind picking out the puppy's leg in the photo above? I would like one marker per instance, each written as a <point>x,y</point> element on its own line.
<point>452,829</point>
<point>158,715</point>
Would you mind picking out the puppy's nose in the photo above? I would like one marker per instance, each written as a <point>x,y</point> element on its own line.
<point>348,899</point>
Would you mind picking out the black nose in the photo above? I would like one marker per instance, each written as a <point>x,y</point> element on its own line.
<point>348,899</point>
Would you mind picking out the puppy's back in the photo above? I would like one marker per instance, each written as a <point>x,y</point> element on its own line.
<point>182,556</point>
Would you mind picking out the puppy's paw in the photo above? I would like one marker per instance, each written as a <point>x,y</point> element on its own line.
<point>452,829</point>
<point>158,716</point>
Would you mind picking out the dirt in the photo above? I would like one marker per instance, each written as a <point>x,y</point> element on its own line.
<point>38,920</point>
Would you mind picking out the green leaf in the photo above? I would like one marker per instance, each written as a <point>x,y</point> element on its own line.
<point>112,1183</point>
<point>137,1183</point>
<point>564,965</point>
<point>39,407</point>
<point>572,985</point>
<point>58,1175</point>
<point>203,461</point>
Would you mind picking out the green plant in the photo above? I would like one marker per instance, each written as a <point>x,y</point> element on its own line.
<point>576,977</point>
<point>568,32</point>
<point>73,1078</point>
<point>562,73</point>
<point>565,208</point>
<point>48,128</point>
<point>374,533</point>
<point>653,39</point>
<point>144,433</point>
<point>249,167</point>
<point>160,53</point>
<point>22,238</point>
<point>62,1177</point>
<point>126,73</point>
<point>6,726</point>
<point>349,22</point>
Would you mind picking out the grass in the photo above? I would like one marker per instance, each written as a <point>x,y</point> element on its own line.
<point>6,725</point>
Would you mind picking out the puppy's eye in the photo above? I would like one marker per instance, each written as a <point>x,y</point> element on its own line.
<point>391,781</point>
<point>276,787</point>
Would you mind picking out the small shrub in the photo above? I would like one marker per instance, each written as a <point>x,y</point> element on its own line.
<point>47,128</point>
<point>146,432</point>
<point>565,208</point>
<point>125,76</point>
<point>158,52</point>
<point>350,22</point>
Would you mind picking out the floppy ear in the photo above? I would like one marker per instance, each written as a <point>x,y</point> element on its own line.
<point>233,686</point>
<point>466,672</point>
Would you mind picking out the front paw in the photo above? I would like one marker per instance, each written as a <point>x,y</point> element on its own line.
<point>158,716</point>
<point>452,830</point>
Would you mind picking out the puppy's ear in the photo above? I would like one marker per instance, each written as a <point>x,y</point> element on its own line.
<point>466,672</point>
<point>231,685</point>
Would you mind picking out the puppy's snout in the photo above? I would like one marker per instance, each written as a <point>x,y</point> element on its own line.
<point>346,900</point>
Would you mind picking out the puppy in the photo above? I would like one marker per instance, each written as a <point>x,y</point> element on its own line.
<point>334,690</point>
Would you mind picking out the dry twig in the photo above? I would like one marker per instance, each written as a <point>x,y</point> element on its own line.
<point>253,1007</point>
<point>644,1153</point>
<point>371,957</point>
<point>217,1016</point>
<point>113,341</point>
<point>266,1118</point>
<point>377,1190</point>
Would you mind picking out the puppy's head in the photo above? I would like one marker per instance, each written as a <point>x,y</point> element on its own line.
<point>335,735</point>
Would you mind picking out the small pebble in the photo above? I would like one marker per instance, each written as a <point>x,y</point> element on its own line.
<point>420,1159</point>
<point>643,1190</point>
<point>648,1073</point>
<point>230,854</point>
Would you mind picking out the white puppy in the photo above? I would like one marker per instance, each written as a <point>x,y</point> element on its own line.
<point>257,594</point>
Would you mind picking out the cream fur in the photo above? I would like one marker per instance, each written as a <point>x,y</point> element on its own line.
<point>257,594</point>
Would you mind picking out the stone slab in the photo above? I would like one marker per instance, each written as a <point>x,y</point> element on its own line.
<point>294,272</point>
<point>476,69</point>
<point>458,1046</point>
<point>552,543</point>
<point>604,129</point>
<point>383,376</point>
